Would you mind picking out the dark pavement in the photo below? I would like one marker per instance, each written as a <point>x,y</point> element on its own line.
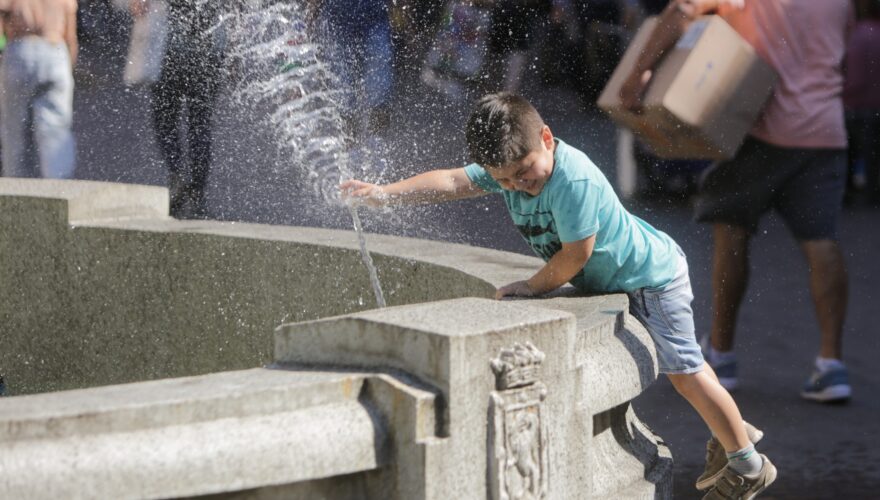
<point>820,451</point>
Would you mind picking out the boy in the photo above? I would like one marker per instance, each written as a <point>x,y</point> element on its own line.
<point>568,213</point>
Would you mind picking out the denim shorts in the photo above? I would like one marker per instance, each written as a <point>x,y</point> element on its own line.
<point>667,315</point>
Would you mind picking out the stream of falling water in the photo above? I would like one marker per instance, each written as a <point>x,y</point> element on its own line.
<point>365,255</point>
<point>283,71</point>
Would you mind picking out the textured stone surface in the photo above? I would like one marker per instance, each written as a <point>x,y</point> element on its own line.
<point>448,345</point>
<point>98,286</point>
<point>144,297</point>
<point>197,435</point>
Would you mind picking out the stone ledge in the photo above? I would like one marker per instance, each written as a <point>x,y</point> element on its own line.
<point>90,201</point>
<point>199,435</point>
<point>205,457</point>
<point>181,401</point>
<point>418,339</point>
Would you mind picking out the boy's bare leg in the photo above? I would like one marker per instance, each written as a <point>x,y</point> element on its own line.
<point>715,406</point>
<point>730,276</point>
<point>828,285</point>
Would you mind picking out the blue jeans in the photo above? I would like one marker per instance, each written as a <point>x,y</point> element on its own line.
<point>360,51</point>
<point>667,315</point>
<point>36,110</point>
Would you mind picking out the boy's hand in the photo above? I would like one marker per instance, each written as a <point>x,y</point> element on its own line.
<point>365,193</point>
<point>515,289</point>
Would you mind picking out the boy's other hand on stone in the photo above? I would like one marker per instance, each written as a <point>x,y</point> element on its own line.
<point>363,193</point>
<point>515,289</point>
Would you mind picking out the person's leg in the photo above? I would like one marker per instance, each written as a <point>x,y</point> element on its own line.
<point>378,79</point>
<point>715,406</point>
<point>16,119</point>
<point>378,73</point>
<point>746,472</point>
<point>855,128</point>
<point>523,29</point>
<point>666,313</point>
<point>498,48</point>
<point>513,74</point>
<point>201,110</point>
<point>200,141</point>
<point>828,286</point>
<point>53,115</point>
<point>167,105</point>
<point>733,195</point>
<point>668,317</point>
<point>730,277</point>
<point>810,204</point>
<point>344,44</point>
<point>872,153</point>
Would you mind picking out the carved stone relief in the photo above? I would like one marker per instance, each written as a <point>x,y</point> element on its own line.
<point>518,466</point>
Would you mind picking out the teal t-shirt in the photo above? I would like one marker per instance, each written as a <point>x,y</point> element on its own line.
<point>577,202</point>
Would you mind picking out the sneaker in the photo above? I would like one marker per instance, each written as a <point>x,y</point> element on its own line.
<point>724,369</point>
<point>831,386</point>
<point>716,458</point>
<point>734,486</point>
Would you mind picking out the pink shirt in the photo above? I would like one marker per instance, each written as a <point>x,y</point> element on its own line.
<point>861,90</point>
<point>805,42</point>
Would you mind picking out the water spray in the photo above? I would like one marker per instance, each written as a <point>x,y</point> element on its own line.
<point>282,70</point>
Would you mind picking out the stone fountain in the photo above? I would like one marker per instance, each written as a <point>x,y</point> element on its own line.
<point>149,357</point>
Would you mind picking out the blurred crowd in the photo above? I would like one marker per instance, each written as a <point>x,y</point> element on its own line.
<point>379,47</point>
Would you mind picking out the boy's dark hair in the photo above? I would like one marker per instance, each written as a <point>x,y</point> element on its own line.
<point>502,129</point>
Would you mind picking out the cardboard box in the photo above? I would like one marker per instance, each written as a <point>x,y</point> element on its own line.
<point>704,96</point>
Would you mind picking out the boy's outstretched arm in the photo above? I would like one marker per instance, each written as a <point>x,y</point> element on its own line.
<point>429,187</point>
<point>559,270</point>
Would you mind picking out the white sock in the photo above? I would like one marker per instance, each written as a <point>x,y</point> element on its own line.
<point>746,461</point>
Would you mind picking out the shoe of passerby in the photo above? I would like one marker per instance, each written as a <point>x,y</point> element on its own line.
<point>828,384</point>
<point>723,363</point>
<point>716,458</point>
<point>734,486</point>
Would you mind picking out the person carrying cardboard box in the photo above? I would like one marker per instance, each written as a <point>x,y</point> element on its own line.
<point>793,161</point>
